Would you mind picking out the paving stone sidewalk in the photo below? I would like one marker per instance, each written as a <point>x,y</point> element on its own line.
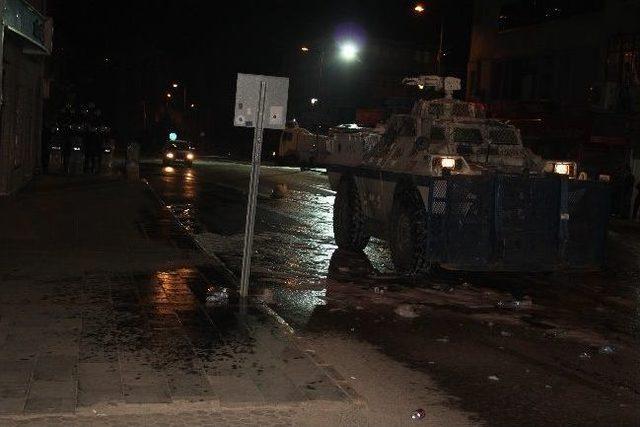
<point>103,322</point>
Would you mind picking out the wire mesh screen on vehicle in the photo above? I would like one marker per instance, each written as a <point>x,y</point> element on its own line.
<point>468,229</point>
<point>461,110</point>
<point>436,110</point>
<point>504,136</point>
<point>527,229</point>
<point>467,135</point>
<point>588,204</point>
<point>517,222</point>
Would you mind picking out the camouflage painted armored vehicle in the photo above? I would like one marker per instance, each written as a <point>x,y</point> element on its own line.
<point>447,187</point>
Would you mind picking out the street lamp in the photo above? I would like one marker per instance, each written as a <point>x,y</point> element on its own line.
<point>419,9</point>
<point>314,101</point>
<point>176,85</point>
<point>349,51</point>
<point>169,95</point>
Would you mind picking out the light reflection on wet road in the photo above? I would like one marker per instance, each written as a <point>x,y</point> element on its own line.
<point>535,348</point>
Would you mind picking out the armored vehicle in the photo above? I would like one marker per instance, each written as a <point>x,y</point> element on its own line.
<point>447,187</point>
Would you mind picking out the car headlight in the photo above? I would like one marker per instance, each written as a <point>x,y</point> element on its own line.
<point>190,156</point>
<point>169,155</point>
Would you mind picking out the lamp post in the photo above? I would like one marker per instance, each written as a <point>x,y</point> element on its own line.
<point>419,9</point>
<point>176,85</point>
<point>345,51</point>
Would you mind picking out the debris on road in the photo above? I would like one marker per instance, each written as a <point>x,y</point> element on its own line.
<point>511,304</point>
<point>217,297</point>
<point>443,340</point>
<point>584,355</point>
<point>407,311</point>
<point>607,349</point>
<point>515,304</point>
<point>493,378</point>
<point>506,334</point>
<point>419,414</point>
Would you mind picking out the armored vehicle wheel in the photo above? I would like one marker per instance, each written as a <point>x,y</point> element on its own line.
<point>408,234</point>
<point>349,226</point>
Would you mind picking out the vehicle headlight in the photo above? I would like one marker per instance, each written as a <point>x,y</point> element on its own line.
<point>562,168</point>
<point>448,163</point>
<point>190,156</point>
<point>169,155</point>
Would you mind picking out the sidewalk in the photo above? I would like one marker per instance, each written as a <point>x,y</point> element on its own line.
<point>102,323</point>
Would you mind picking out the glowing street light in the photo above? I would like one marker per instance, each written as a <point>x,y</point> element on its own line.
<point>349,51</point>
<point>175,85</point>
<point>193,105</point>
<point>314,101</point>
<point>169,95</point>
<point>419,8</point>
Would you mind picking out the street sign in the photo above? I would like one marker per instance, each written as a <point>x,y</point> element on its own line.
<point>247,101</point>
<point>261,103</point>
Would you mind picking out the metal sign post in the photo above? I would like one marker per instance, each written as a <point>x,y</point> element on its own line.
<point>253,194</point>
<point>261,103</point>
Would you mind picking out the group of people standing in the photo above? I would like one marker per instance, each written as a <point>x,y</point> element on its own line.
<point>81,140</point>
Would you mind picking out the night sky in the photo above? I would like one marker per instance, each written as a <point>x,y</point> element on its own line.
<point>205,43</point>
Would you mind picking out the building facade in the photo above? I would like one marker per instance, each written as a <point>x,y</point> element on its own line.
<point>25,40</point>
<point>566,71</point>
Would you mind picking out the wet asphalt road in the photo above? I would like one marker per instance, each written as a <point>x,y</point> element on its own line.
<point>566,355</point>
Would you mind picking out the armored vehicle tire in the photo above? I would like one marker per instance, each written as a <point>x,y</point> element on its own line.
<point>408,234</point>
<point>349,227</point>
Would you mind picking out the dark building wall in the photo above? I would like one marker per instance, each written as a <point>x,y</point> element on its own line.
<point>21,113</point>
<point>21,122</point>
<point>554,51</point>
